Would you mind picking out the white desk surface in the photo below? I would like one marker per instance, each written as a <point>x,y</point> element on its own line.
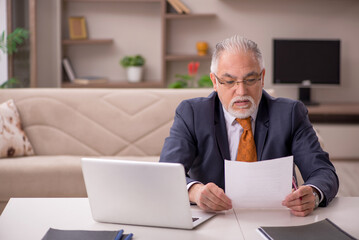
<point>30,218</point>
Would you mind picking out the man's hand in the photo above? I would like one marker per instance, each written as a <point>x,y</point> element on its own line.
<point>301,201</point>
<point>209,197</point>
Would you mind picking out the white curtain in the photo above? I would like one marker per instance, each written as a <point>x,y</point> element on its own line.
<point>3,57</point>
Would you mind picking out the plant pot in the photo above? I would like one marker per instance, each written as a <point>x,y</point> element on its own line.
<point>134,74</point>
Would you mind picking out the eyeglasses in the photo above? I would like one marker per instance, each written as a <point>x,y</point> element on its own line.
<point>248,82</point>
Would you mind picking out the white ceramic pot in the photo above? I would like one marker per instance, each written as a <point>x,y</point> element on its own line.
<point>134,74</point>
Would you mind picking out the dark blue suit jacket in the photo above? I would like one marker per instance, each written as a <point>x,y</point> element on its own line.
<point>198,140</point>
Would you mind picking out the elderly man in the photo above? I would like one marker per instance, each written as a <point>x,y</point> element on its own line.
<point>240,121</point>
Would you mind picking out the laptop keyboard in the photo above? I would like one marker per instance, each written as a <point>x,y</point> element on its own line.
<point>194,219</point>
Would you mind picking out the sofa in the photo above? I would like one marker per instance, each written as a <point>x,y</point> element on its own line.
<point>64,125</point>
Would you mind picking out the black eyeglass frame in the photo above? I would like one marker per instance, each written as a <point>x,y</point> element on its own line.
<point>247,82</point>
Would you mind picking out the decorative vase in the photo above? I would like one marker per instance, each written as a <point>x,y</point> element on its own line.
<point>202,48</point>
<point>134,74</point>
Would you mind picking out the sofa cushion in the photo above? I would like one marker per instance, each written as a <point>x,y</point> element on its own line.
<point>98,122</point>
<point>14,142</point>
<point>46,176</point>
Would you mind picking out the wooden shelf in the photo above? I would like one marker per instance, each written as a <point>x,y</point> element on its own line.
<point>183,57</point>
<point>87,41</point>
<point>188,16</point>
<point>166,17</point>
<point>100,1</point>
<point>114,85</point>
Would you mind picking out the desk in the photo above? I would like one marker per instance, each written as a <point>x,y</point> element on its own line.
<point>30,218</point>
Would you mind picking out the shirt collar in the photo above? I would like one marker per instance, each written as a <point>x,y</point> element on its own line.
<point>231,120</point>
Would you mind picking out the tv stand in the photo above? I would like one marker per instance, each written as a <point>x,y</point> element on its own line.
<point>310,103</point>
<point>334,113</point>
<point>305,96</point>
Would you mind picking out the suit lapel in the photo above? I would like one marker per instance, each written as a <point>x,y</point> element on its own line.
<point>262,124</point>
<point>220,129</point>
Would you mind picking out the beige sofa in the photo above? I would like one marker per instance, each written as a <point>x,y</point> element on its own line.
<point>64,125</point>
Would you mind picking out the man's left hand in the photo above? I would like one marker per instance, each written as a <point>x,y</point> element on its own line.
<point>301,202</point>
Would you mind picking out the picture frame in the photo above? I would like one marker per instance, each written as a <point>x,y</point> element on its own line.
<point>77,28</point>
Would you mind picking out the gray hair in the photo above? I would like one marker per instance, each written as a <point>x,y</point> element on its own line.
<point>235,44</point>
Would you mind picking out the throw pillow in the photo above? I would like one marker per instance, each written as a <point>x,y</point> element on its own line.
<point>13,140</point>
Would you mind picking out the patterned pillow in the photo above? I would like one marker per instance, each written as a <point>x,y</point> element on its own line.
<point>13,140</point>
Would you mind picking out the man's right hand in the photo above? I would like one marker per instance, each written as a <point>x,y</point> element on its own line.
<point>209,197</point>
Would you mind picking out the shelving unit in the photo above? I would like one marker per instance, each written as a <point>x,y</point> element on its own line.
<point>139,1</point>
<point>183,57</point>
<point>114,85</point>
<point>87,41</point>
<point>178,57</point>
<point>166,57</point>
<point>188,16</point>
<point>32,47</point>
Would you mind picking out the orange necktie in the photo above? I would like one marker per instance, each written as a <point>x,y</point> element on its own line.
<point>246,147</point>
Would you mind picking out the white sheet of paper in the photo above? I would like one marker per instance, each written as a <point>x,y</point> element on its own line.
<point>262,184</point>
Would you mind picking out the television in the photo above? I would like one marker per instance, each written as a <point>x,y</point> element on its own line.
<point>305,62</point>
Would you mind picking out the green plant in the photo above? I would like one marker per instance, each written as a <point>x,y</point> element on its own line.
<point>189,80</point>
<point>9,83</point>
<point>129,61</point>
<point>205,81</point>
<point>13,40</point>
<point>10,45</point>
<point>185,81</point>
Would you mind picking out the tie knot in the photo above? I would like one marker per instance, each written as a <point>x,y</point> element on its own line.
<point>245,123</point>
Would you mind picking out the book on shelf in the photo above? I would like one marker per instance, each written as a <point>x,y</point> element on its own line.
<point>183,7</point>
<point>179,6</point>
<point>68,69</point>
<point>175,6</point>
<point>80,80</point>
<point>324,229</point>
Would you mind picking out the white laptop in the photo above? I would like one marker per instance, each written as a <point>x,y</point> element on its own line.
<point>140,193</point>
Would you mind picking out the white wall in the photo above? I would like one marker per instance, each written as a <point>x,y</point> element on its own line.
<point>3,57</point>
<point>136,28</point>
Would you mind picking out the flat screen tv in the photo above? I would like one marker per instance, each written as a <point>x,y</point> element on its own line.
<point>314,60</point>
<point>298,60</point>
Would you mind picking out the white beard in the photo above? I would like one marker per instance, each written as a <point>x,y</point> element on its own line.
<point>247,112</point>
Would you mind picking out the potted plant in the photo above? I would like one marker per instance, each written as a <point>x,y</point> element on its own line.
<point>134,67</point>
<point>190,80</point>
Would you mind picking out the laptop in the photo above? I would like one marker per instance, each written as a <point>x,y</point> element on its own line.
<point>140,193</point>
